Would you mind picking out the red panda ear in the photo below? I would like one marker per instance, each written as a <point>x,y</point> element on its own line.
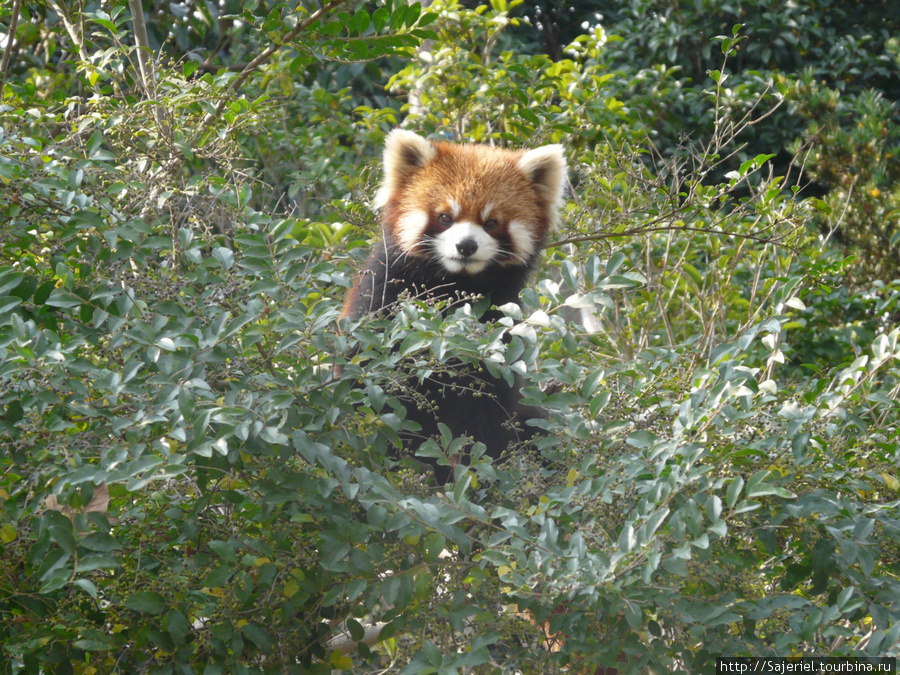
<point>404,153</point>
<point>546,168</point>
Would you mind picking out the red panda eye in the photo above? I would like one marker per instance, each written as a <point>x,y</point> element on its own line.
<point>489,224</point>
<point>445,219</point>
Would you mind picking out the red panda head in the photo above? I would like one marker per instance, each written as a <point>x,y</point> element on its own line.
<point>469,206</point>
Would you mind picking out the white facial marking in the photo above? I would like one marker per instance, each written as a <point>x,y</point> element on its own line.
<point>447,250</point>
<point>410,228</point>
<point>455,208</point>
<point>523,240</point>
<point>486,211</point>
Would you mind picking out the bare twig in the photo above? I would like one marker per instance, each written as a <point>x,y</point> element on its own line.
<point>833,227</point>
<point>651,229</point>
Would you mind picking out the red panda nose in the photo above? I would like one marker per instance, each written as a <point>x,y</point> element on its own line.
<point>467,247</point>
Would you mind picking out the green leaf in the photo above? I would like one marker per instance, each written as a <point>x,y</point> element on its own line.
<point>63,536</point>
<point>146,602</point>
<point>713,508</point>
<point>734,491</point>
<point>627,539</point>
<point>219,576</point>
<point>653,523</point>
<point>634,616</point>
<point>177,626</point>
<point>435,543</point>
<point>257,636</point>
<point>63,298</point>
<point>10,280</point>
<point>380,18</point>
<point>357,632</point>
<point>92,147</point>
<point>757,487</point>
<point>414,342</point>
<point>8,533</point>
<point>7,304</point>
<point>641,439</point>
<point>224,256</point>
<point>821,205</point>
<point>88,586</point>
<point>361,21</point>
<point>398,17</point>
<point>103,19</point>
<point>224,550</point>
<point>96,643</point>
<point>100,541</point>
<point>529,116</point>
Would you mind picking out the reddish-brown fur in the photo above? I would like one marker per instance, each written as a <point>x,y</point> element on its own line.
<point>478,185</point>
<point>458,221</point>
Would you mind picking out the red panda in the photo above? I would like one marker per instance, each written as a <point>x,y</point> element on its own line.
<point>461,220</point>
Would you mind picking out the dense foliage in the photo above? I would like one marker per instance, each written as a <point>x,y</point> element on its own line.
<point>190,485</point>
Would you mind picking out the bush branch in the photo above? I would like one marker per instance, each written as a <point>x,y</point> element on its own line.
<point>264,56</point>
<point>70,29</point>
<point>145,65</point>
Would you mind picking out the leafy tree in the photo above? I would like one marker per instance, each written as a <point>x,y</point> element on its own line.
<point>841,60</point>
<point>190,485</point>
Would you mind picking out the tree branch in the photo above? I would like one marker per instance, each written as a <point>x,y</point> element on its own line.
<point>145,64</point>
<point>70,29</point>
<point>142,41</point>
<point>651,229</point>
<point>11,38</point>
<point>264,56</point>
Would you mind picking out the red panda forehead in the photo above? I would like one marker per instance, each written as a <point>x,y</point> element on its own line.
<point>476,164</point>
<point>475,180</point>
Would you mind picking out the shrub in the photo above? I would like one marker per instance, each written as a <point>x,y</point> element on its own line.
<point>190,485</point>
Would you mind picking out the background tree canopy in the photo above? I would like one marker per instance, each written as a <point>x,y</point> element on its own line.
<point>188,486</point>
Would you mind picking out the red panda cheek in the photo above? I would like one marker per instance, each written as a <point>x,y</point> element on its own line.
<point>524,239</point>
<point>409,229</point>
